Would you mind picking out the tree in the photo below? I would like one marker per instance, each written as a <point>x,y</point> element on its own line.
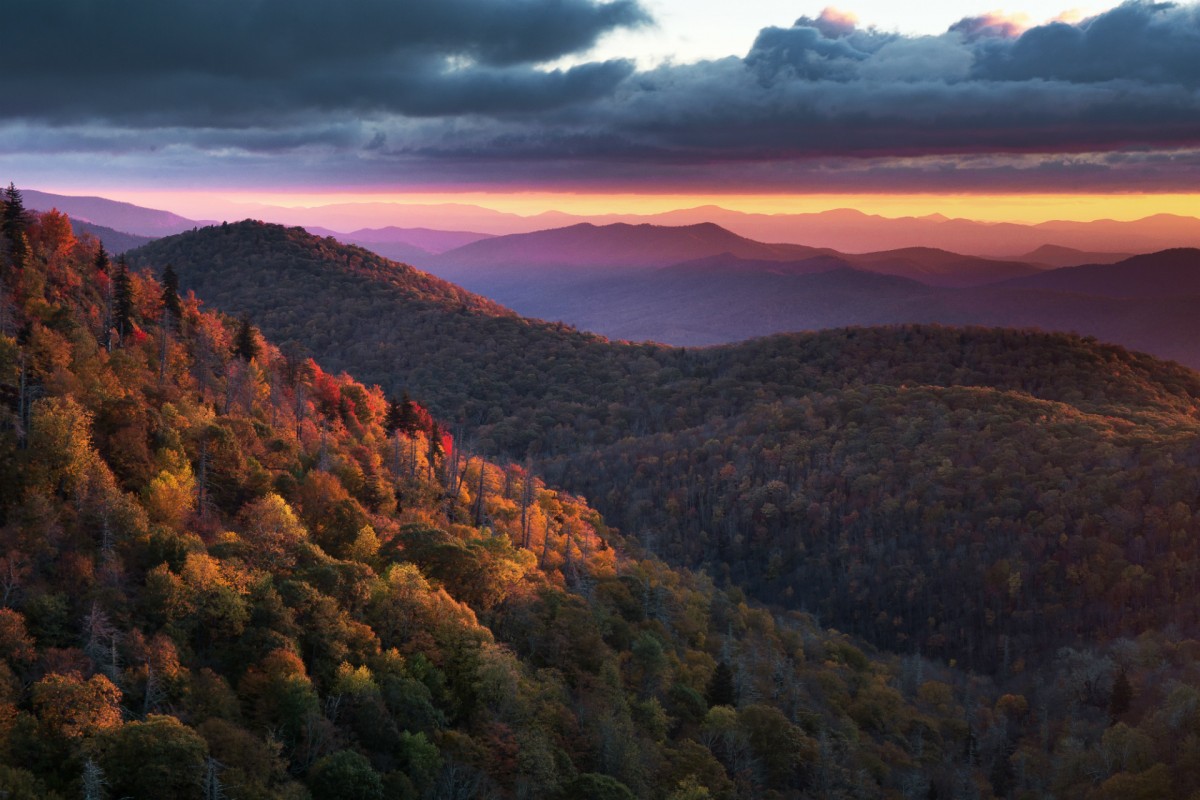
<point>14,224</point>
<point>160,757</point>
<point>74,708</point>
<point>102,262</point>
<point>345,775</point>
<point>123,308</point>
<point>721,690</point>
<point>1121,697</point>
<point>272,531</point>
<point>245,343</point>
<point>170,293</point>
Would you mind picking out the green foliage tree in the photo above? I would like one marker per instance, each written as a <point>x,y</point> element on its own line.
<point>160,757</point>
<point>345,775</point>
<point>124,311</point>
<point>14,223</point>
<point>171,302</point>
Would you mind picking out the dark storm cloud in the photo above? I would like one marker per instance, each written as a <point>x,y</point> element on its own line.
<point>823,89</point>
<point>1124,79</point>
<point>1152,42</point>
<point>233,62</point>
<point>400,89</point>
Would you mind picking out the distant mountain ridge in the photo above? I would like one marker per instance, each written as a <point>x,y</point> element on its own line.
<point>490,265</point>
<point>407,245</point>
<point>123,217</point>
<point>115,242</point>
<point>1170,273</point>
<point>1052,255</point>
<point>587,246</point>
<point>1145,302</point>
<point>846,230</point>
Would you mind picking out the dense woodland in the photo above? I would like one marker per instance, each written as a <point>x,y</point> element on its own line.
<point>845,472</point>
<point>230,572</point>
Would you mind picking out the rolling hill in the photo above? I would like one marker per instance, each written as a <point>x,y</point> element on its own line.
<point>498,264</point>
<point>115,242</point>
<point>409,245</point>
<point>588,248</point>
<point>842,472</point>
<point>114,214</point>
<point>1169,274</point>
<point>596,279</point>
<point>1055,256</point>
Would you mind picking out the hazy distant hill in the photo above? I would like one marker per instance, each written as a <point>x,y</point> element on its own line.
<point>853,231</point>
<point>501,265</point>
<point>1052,255</point>
<point>111,213</point>
<point>939,267</point>
<point>846,230</point>
<point>1147,302</point>
<point>115,242</point>
<point>591,247</point>
<point>1171,273</point>
<point>408,245</point>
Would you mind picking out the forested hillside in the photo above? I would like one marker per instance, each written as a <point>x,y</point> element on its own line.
<point>227,572</point>
<point>1024,504</point>
<point>840,472</point>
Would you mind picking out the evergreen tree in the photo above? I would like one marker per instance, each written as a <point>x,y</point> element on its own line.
<point>435,450</point>
<point>170,293</point>
<point>245,345</point>
<point>721,691</point>
<point>102,263</point>
<point>1121,697</point>
<point>14,222</point>
<point>123,309</point>
<point>394,416</point>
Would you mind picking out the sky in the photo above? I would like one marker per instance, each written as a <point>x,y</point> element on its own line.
<point>1041,109</point>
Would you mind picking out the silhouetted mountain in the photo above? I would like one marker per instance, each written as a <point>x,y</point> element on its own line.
<point>939,267</point>
<point>510,266</point>
<point>724,299</point>
<point>428,239</point>
<point>1170,273</point>
<point>111,213</point>
<point>853,231</point>
<point>588,247</point>
<point>1054,256</point>
<point>846,230</point>
<point>407,245</point>
<point>115,242</point>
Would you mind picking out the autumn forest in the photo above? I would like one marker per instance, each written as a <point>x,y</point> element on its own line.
<point>282,519</point>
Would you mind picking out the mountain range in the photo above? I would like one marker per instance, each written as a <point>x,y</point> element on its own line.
<point>845,230</point>
<point>119,216</point>
<point>703,284</point>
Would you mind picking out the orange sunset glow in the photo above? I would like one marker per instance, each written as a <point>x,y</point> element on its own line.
<point>1027,208</point>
